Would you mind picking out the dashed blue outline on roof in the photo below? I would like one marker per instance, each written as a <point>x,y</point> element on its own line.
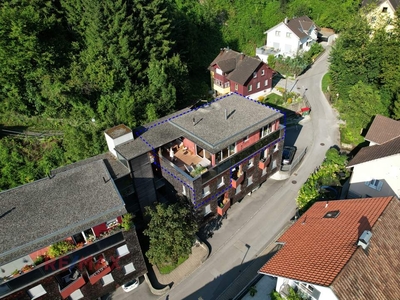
<point>208,199</point>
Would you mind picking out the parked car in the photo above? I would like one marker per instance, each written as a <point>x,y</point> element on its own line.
<point>288,154</point>
<point>130,285</point>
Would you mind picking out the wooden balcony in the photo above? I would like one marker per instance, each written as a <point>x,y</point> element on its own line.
<point>221,210</point>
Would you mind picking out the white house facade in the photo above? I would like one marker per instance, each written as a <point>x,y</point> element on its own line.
<point>376,178</point>
<point>308,290</point>
<point>288,38</point>
<point>381,13</point>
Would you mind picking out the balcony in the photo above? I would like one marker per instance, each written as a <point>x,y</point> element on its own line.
<point>97,267</point>
<point>264,163</point>
<point>237,178</point>
<point>223,206</point>
<point>69,281</point>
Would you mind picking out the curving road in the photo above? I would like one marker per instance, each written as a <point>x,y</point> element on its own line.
<point>255,222</point>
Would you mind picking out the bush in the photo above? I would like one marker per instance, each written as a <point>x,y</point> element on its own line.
<point>127,221</point>
<point>39,260</point>
<point>60,248</point>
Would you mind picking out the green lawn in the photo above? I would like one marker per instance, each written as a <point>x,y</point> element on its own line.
<point>274,99</point>
<point>326,82</point>
<point>166,269</point>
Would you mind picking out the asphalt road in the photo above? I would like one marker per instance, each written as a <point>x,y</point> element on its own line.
<point>254,223</point>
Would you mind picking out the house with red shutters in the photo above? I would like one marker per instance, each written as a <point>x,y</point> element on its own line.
<point>232,71</point>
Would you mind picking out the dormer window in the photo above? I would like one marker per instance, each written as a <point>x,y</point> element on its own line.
<point>255,75</point>
<point>384,10</point>
<point>262,72</point>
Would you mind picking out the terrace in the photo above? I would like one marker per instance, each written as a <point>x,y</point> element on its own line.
<point>69,281</point>
<point>97,267</point>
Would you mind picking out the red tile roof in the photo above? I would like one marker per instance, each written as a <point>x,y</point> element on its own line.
<point>382,130</point>
<point>316,248</point>
<point>374,273</point>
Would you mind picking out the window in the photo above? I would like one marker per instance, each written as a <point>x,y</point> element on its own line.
<point>206,190</point>
<point>258,85</point>
<point>384,10</point>
<point>266,82</point>
<point>277,33</point>
<point>37,292</point>
<point>220,182</point>
<point>264,171</point>
<point>266,130</point>
<point>236,87</point>
<point>250,180</point>
<point>231,149</point>
<point>129,268</point>
<point>122,251</point>
<point>276,147</point>
<point>250,163</point>
<point>107,279</point>
<point>246,138</point>
<point>250,88</point>
<point>288,34</point>
<point>112,223</point>
<point>262,72</point>
<point>207,209</point>
<point>238,189</point>
<point>374,184</point>
<point>76,295</point>
<point>273,164</point>
<point>255,75</point>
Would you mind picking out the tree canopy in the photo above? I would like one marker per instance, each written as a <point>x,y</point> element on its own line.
<point>171,231</point>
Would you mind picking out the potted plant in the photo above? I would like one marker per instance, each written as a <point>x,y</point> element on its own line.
<point>252,291</point>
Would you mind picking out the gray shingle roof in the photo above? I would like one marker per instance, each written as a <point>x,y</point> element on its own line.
<point>212,132</point>
<point>40,213</point>
<point>300,26</point>
<point>394,3</point>
<point>375,152</point>
<point>383,129</point>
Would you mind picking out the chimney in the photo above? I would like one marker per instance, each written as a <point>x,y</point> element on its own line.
<point>221,50</point>
<point>364,239</point>
<point>241,55</point>
<point>286,20</point>
<point>116,136</point>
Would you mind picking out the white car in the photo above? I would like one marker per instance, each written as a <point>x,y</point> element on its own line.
<point>130,285</point>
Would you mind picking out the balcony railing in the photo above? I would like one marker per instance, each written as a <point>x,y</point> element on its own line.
<point>222,208</point>
<point>54,266</point>
<point>71,286</point>
<point>240,156</point>
<point>96,270</point>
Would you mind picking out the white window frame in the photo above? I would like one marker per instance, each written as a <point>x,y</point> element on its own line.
<point>250,164</point>
<point>277,33</point>
<point>288,34</point>
<point>276,147</point>
<point>246,138</point>
<point>122,251</point>
<point>236,86</point>
<point>221,183</point>
<point>206,191</point>
<point>250,180</point>
<point>107,279</point>
<point>274,164</point>
<point>255,75</point>
<point>207,209</point>
<point>374,184</point>
<point>183,190</point>
<point>129,268</point>
<point>36,292</point>
<point>266,82</point>
<point>258,85</point>
<point>250,88</point>
<point>262,72</point>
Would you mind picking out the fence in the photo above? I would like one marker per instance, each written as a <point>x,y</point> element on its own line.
<point>290,168</point>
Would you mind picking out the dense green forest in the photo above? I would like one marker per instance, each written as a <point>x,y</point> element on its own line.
<point>365,72</point>
<point>81,66</point>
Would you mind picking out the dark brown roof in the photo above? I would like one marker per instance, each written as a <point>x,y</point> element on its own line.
<point>375,152</point>
<point>316,249</point>
<point>375,273</point>
<point>238,66</point>
<point>383,129</point>
<point>300,26</point>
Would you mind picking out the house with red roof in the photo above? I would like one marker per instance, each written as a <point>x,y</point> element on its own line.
<point>342,249</point>
<point>236,72</point>
<point>376,168</point>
